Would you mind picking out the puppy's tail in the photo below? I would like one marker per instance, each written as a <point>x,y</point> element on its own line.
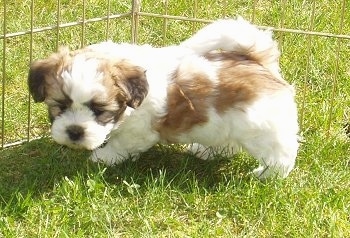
<point>241,37</point>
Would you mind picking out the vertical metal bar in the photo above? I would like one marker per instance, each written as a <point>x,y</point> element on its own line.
<point>30,60</point>
<point>195,7</point>
<point>3,79</point>
<point>136,6</point>
<point>335,76</point>
<point>254,11</point>
<point>165,20</point>
<point>83,25</point>
<point>108,19</point>
<point>282,18</point>
<point>283,7</point>
<point>58,24</point>
<point>224,9</point>
<point>307,69</point>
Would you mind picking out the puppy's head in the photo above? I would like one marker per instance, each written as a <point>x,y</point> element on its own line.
<point>86,93</point>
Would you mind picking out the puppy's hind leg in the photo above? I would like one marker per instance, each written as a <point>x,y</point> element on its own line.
<point>276,155</point>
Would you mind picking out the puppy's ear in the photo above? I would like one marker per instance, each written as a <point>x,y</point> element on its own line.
<point>41,71</point>
<point>132,79</point>
<point>38,72</point>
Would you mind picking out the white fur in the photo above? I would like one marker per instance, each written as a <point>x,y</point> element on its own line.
<point>82,85</point>
<point>267,128</point>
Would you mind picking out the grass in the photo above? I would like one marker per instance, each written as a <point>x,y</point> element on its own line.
<point>50,191</point>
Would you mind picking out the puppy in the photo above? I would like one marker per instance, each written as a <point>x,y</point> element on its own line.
<point>222,88</point>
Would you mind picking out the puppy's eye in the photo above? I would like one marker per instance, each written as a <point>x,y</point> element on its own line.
<point>62,107</point>
<point>97,111</point>
<point>56,110</point>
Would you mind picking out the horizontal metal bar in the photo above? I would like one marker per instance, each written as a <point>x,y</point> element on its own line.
<point>287,30</point>
<point>174,17</point>
<point>314,33</point>
<point>19,142</point>
<point>64,25</point>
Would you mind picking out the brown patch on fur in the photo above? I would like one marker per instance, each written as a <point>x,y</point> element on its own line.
<point>187,103</point>
<point>43,75</point>
<point>241,80</point>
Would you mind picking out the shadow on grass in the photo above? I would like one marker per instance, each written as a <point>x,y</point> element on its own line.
<point>36,167</point>
<point>177,166</point>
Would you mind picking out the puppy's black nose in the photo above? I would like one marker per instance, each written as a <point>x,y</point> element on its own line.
<point>75,132</point>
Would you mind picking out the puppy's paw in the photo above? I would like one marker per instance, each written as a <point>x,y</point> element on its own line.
<point>200,151</point>
<point>265,172</point>
<point>262,172</point>
<point>209,153</point>
<point>107,157</point>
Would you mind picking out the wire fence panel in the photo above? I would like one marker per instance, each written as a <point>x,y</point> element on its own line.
<point>313,37</point>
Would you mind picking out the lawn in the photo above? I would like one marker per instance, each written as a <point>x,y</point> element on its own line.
<point>47,190</point>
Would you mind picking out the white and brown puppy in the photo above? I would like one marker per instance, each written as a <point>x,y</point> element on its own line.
<point>133,97</point>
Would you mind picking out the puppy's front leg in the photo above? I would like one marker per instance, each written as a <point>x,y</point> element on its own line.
<point>109,155</point>
<point>124,146</point>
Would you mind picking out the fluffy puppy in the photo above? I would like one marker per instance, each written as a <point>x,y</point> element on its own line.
<point>222,88</point>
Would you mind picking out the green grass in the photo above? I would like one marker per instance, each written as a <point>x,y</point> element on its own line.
<point>50,191</point>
